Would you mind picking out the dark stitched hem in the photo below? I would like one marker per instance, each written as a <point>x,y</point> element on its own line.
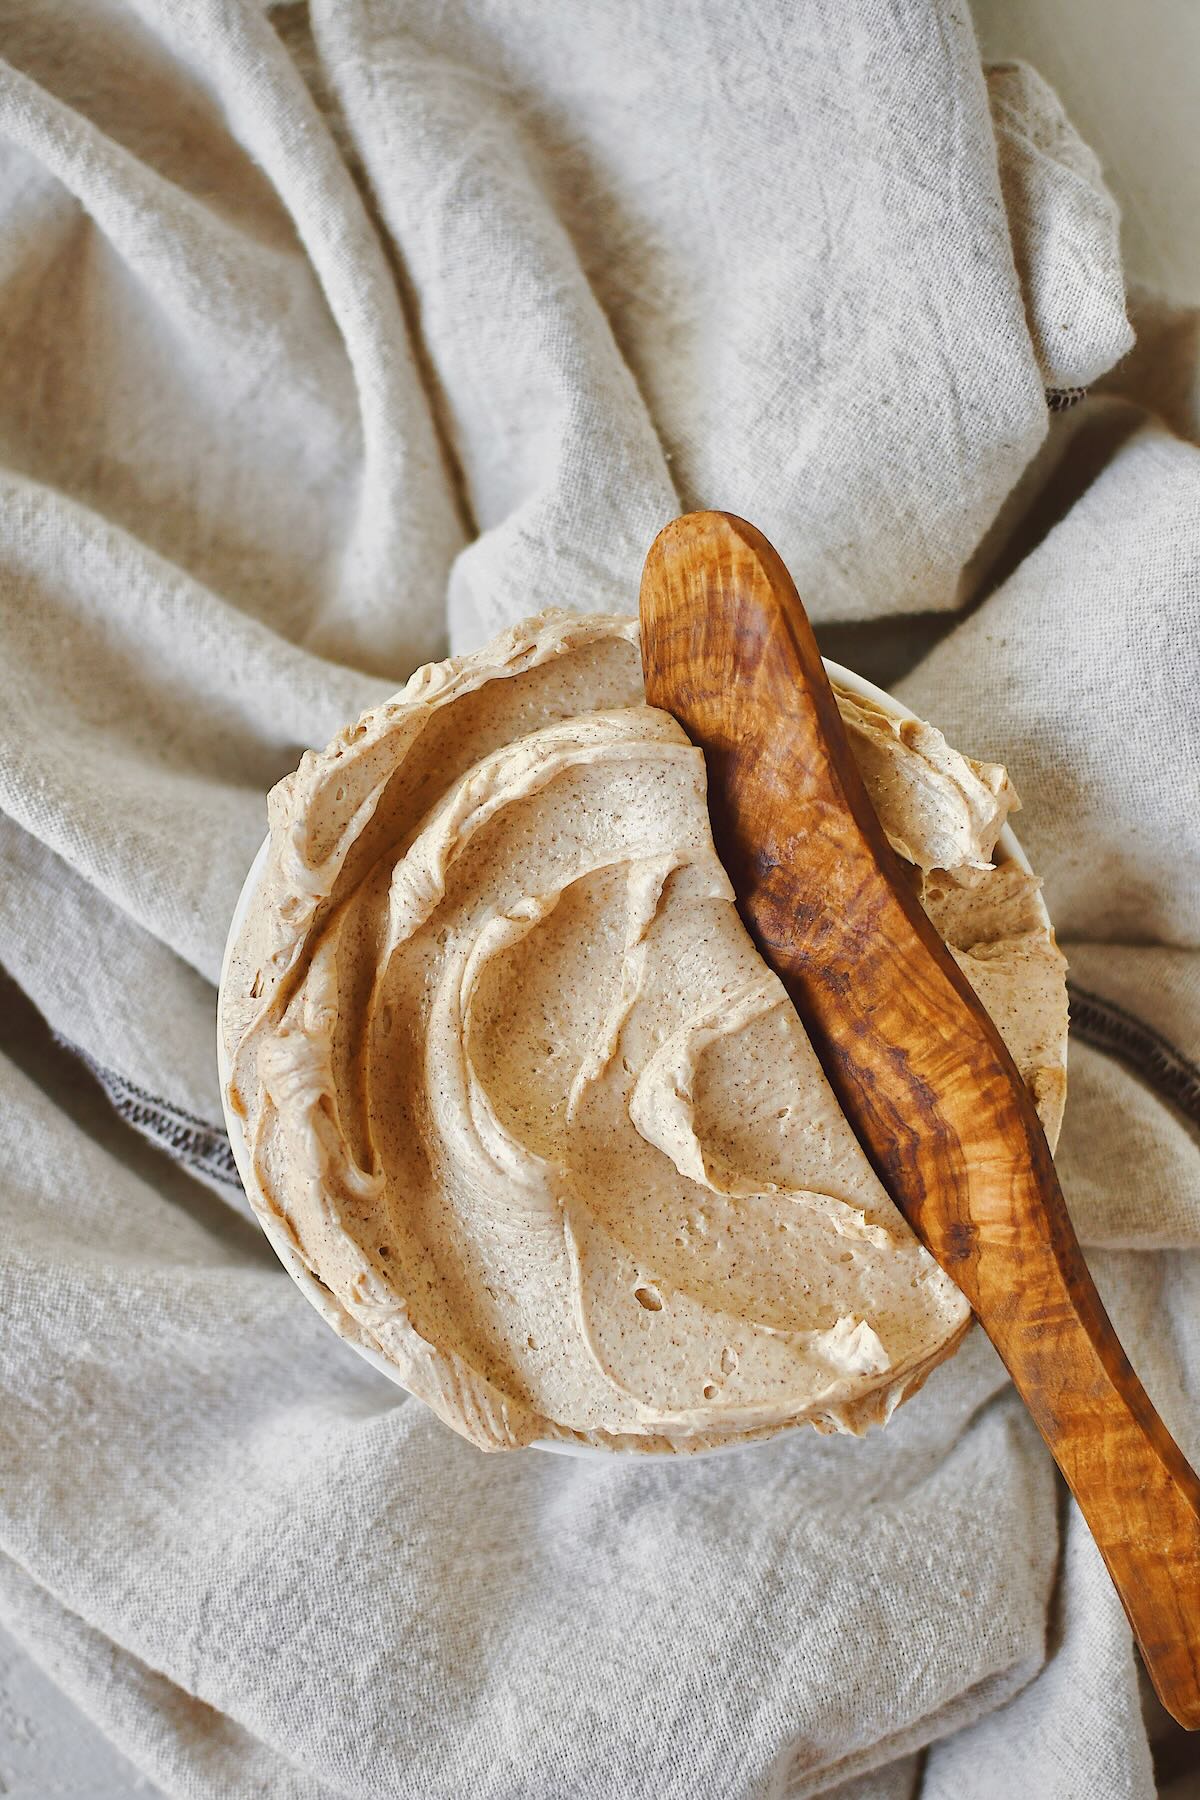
<point>184,1135</point>
<point>1109,1027</point>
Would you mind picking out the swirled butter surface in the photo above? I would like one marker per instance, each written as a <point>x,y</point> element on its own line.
<point>527,1101</point>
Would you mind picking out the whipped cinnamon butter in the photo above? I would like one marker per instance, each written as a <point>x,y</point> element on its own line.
<point>526,1100</point>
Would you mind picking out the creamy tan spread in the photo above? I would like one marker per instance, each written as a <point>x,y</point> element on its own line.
<point>525,1098</point>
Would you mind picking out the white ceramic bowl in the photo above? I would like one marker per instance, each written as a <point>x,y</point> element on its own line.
<point>1007,850</point>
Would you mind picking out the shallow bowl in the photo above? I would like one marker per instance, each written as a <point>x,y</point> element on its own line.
<point>1007,850</point>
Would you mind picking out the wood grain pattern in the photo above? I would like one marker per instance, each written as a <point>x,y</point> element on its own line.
<point>920,1070</point>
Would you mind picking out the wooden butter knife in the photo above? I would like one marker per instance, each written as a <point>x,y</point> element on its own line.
<point>918,1067</point>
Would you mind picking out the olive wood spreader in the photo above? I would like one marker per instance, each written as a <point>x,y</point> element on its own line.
<point>916,1063</point>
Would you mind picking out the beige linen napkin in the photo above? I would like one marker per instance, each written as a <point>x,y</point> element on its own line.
<point>334,335</point>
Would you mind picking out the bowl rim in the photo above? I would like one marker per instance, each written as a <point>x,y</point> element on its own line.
<point>1008,850</point>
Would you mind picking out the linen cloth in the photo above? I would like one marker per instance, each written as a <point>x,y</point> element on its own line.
<point>333,336</point>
